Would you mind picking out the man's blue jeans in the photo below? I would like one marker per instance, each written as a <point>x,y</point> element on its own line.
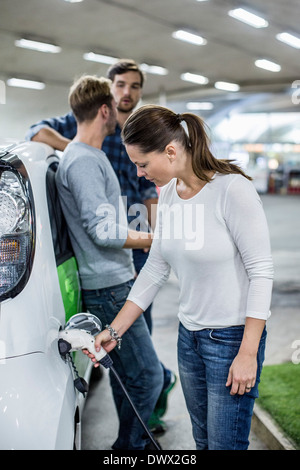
<point>220,421</point>
<point>136,363</point>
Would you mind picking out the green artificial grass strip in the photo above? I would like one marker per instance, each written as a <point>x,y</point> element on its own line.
<point>279,395</point>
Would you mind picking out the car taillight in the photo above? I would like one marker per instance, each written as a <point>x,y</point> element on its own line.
<point>16,227</point>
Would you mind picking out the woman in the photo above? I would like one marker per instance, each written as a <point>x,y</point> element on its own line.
<point>212,232</point>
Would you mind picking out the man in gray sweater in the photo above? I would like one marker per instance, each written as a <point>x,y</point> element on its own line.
<point>90,196</point>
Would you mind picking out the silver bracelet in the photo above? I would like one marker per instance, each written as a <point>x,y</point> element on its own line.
<point>114,335</point>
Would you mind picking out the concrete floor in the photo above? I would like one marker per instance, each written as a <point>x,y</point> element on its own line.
<point>100,420</point>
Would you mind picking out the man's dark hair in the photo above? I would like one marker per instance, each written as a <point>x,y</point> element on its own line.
<point>123,66</point>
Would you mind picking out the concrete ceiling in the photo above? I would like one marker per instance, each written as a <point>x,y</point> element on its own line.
<point>142,30</point>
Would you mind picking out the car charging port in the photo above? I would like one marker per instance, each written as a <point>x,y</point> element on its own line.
<point>78,335</point>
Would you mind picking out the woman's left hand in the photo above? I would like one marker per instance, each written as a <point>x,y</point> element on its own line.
<point>242,374</point>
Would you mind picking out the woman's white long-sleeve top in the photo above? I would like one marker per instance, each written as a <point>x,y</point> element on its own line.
<point>217,244</point>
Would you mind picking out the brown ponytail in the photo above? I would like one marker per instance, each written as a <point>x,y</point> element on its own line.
<point>153,127</point>
<point>203,160</point>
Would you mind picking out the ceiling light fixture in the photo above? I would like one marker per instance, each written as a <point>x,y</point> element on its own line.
<point>199,106</point>
<point>249,18</point>
<point>226,86</point>
<point>194,78</point>
<point>189,37</point>
<point>73,1</point>
<point>20,83</point>
<point>102,59</point>
<point>267,65</point>
<point>154,69</point>
<point>289,39</point>
<point>37,46</point>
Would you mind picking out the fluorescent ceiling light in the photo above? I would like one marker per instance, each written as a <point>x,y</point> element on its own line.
<point>289,39</point>
<point>20,83</point>
<point>199,106</point>
<point>267,65</point>
<point>103,59</point>
<point>73,1</point>
<point>37,46</point>
<point>226,86</point>
<point>248,18</point>
<point>154,69</point>
<point>189,37</point>
<point>194,78</point>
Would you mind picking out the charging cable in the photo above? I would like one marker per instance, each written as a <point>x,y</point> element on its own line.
<point>77,339</point>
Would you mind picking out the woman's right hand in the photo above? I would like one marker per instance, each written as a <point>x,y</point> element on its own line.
<point>125,318</point>
<point>102,340</point>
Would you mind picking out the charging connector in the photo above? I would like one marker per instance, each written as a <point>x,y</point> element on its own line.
<point>106,362</point>
<point>76,339</point>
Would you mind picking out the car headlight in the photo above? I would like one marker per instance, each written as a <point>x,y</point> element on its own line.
<point>16,227</point>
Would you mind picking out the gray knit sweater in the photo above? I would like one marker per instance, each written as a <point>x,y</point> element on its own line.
<point>90,196</point>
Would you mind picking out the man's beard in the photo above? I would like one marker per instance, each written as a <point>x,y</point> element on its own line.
<point>111,128</point>
<point>111,124</point>
<point>125,110</point>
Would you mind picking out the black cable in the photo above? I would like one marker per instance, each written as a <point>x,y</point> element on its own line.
<point>107,362</point>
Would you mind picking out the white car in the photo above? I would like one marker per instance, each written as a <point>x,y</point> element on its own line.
<point>39,291</point>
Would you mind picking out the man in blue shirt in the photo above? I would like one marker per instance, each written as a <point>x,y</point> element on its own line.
<point>127,83</point>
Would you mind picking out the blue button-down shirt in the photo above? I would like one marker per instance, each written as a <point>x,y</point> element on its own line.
<point>134,188</point>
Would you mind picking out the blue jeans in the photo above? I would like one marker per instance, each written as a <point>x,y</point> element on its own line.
<point>136,363</point>
<point>220,421</point>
